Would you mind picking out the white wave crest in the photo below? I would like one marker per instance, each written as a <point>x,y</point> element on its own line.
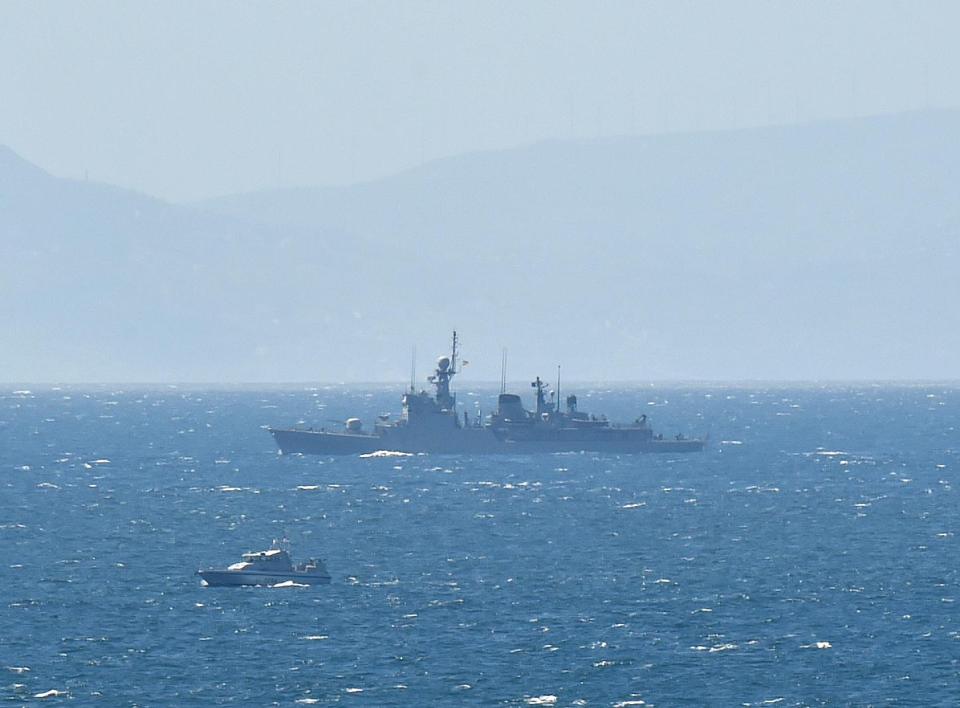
<point>52,693</point>
<point>387,453</point>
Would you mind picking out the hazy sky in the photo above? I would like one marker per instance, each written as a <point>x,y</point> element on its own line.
<point>187,100</point>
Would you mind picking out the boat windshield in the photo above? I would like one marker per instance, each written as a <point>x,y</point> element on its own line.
<point>272,554</point>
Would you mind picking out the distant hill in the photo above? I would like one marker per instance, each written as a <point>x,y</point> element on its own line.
<point>104,284</point>
<point>827,250</point>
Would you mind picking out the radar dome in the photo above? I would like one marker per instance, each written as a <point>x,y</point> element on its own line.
<point>443,363</point>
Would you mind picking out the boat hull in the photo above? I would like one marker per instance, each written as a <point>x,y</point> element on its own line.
<point>234,578</point>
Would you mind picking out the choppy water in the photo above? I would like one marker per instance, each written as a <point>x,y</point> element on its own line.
<point>809,557</point>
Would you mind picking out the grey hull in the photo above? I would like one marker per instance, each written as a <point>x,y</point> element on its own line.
<point>470,441</point>
<point>233,578</point>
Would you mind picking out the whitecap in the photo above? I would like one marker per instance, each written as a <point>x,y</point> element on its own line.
<point>290,584</point>
<point>316,637</point>
<point>102,461</point>
<point>226,488</point>
<point>307,701</point>
<point>625,704</point>
<point>47,485</point>
<point>817,645</point>
<point>353,690</point>
<point>387,453</point>
<point>722,647</point>
<point>731,442</point>
<point>52,693</point>
<point>635,505</point>
<point>545,700</point>
<point>308,487</point>
<point>18,669</point>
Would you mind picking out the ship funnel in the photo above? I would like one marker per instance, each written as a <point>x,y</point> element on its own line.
<point>572,404</point>
<point>510,407</point>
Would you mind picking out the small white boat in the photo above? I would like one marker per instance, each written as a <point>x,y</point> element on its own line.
<point>270,567</point>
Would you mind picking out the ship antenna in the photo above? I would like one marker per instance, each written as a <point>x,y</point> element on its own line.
<point>453,355</point>
<point>413,369</point>
<point>558,389</point>
<point>503,370</point>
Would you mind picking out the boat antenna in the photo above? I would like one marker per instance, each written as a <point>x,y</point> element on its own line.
<point>413,369</point>
<point>503,370</point>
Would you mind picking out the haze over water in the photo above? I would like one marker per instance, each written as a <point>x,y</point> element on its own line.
<point>808,557</point>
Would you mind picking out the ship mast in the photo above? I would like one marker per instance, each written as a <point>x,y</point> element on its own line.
<point>503,371</point>
<point>557,409</point>
<point>541,401</point>
<point>453,355</point>
<point>413,370</point>
<point>446,369</point>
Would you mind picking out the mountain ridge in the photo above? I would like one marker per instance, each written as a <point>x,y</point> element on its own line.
<point>951,114</point>
<point>787,252</point>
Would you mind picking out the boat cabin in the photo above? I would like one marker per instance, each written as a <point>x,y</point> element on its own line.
<point>274,559</point>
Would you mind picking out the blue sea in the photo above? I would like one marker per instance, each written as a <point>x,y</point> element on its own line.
<point>808,557</point>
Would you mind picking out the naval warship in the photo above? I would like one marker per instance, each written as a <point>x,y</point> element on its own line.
<point>430,424</point>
